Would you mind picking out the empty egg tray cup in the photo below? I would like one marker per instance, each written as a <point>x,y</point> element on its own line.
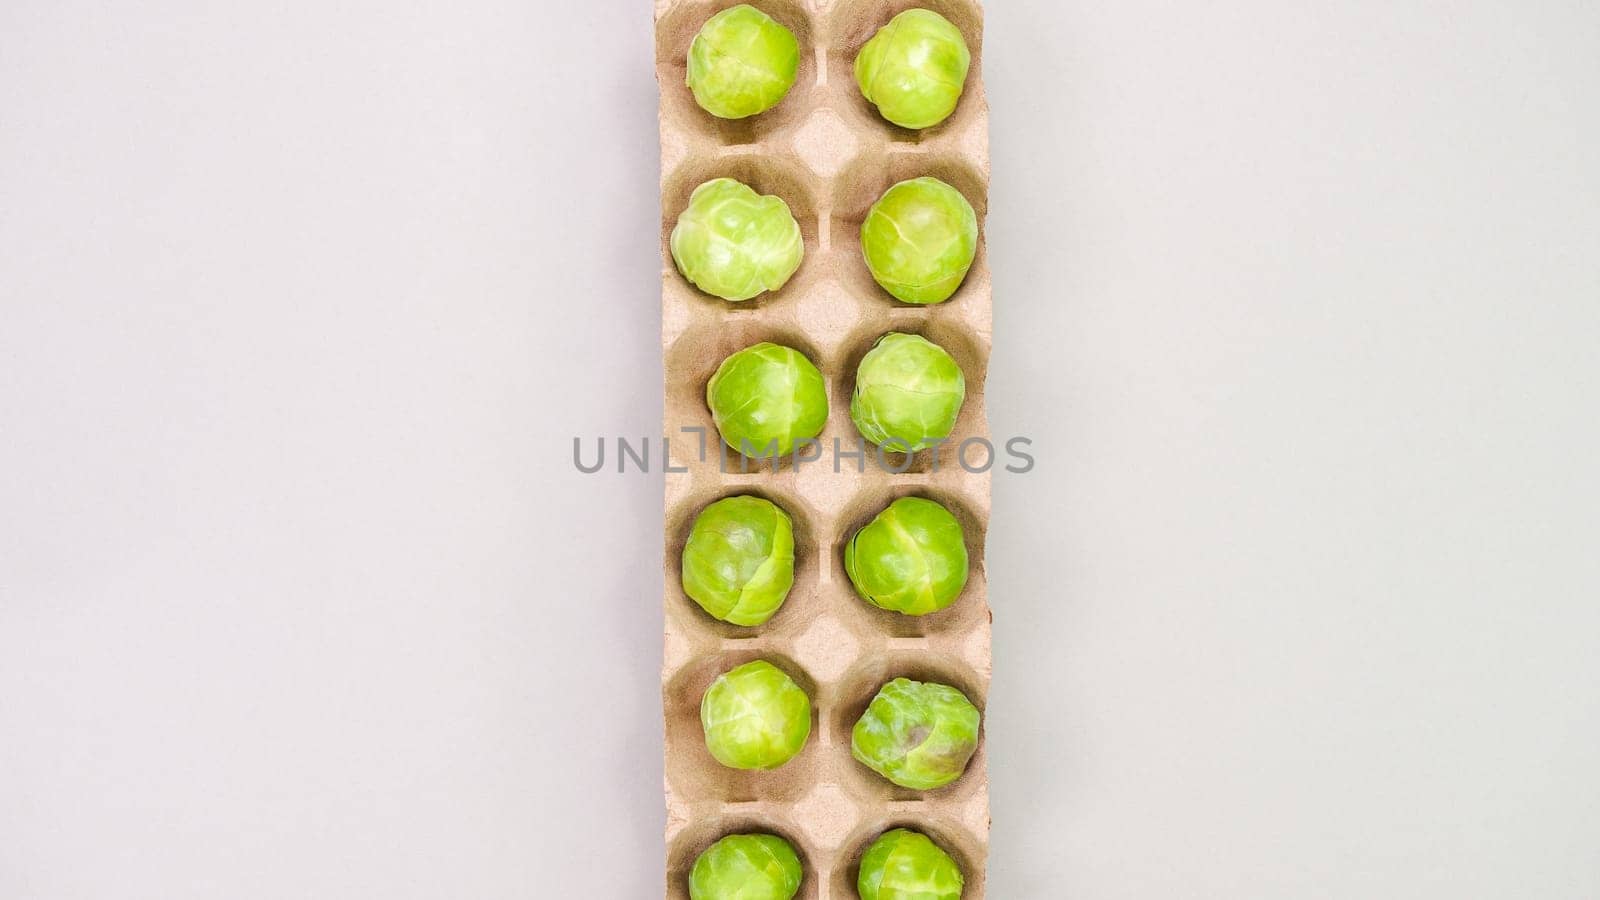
<point>829,155</point>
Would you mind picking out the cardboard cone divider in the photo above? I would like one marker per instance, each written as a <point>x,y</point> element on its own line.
<point>829,155</point>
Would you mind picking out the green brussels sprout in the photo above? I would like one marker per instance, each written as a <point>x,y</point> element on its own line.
<point>919,735</point>
<point>747,867</point>
<point>755,717</point>
<point>913,69</point>
<point>741,63</point>
<point>919,240</point>
<point>911,558</point>
<point>765,398</point>
<point>908,393</point>
<point>739,561</point>
<point>734,243</point>
<point>907,865</point>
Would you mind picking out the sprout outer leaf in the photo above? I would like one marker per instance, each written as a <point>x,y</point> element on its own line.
<point>742,62</point>
<point>913,69</point>
<point>734,243</point>
<point>919,735</point>
<point>767,397</point>
<point>908,865</point>
<point>747,867</point>
<point>919,240</point>
<point>738,563</point>
<point>908,392</point>
<point>755,717</point>
<point>911,558</point>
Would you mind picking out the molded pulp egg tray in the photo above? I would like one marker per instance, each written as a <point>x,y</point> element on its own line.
<point>829,155</point>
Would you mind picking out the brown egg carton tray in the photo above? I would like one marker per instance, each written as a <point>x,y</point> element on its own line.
<point>829,155</point>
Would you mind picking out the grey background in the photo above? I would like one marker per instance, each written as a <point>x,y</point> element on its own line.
<point>303,303</point>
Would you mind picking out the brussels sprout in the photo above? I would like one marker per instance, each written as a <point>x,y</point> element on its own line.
<point>765,398</point>
<point>919,240</point>
<point>739,561</point>
<point>906,865</point>
<point>912,558</point>
<point>755,717</point>
<point>908,393</point>
<point>919,735</point>
<point>734,243</point>
<point>747,867</point>
<point>741,63</point>
<point>913,69</point>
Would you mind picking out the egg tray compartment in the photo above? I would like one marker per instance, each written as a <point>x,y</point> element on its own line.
<point>827,153</point>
